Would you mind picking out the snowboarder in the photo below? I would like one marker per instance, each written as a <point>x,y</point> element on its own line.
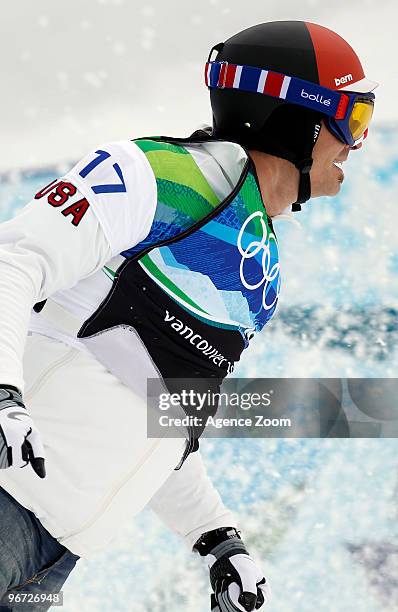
<point>157,258</point>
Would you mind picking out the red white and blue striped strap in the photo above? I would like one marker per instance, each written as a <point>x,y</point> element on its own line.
<point>222,75</point>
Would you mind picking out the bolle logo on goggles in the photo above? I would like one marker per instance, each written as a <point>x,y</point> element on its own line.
<point>316,98</point>
<point>344,79</point>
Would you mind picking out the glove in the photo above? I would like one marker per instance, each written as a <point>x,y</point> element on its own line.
<point>237,582</point>
<point>20,441</point>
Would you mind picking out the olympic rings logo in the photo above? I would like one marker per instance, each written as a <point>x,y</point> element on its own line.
<point>269,274</point>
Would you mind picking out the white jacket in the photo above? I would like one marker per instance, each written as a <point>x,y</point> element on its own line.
<point>57,247</point>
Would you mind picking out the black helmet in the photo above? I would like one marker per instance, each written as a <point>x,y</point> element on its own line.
<point>265,123</point>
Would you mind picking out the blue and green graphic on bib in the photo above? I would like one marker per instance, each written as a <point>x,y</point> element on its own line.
<point>225,273</point>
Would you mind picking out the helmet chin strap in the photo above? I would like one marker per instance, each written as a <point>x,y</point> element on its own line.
<point>304,189</point>
<point>304,165</point>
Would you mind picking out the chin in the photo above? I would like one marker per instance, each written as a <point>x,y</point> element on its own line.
<point>330,191</point>
<point>334,186</point>
<point>335,191</point>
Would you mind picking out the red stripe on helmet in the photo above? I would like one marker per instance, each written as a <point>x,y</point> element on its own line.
<point>338,64</point>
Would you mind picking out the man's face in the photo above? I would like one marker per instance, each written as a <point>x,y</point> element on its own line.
<point>326,177</point>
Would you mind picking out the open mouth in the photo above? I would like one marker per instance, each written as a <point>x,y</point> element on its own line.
<point>338,165</point>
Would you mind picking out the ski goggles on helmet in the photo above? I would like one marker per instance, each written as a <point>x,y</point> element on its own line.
<point>353,127</point>
<point>348,114</point>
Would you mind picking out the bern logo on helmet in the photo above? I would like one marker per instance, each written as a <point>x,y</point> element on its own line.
<point>344,79</point>
<point>316,98</point>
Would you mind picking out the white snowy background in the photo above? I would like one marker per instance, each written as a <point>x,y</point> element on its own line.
<point>320,514</point>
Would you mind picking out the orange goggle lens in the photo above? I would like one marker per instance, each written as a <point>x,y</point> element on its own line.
<point>360,118</point>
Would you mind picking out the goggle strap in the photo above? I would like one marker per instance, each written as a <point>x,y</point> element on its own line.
<point>223,75</point>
